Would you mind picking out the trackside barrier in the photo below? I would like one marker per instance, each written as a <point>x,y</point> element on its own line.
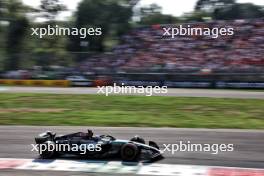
<point>45,83</point>
<point>102,82</point>
<point>107,82</point>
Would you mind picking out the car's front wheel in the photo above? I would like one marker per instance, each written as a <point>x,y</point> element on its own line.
<point>129,152</point>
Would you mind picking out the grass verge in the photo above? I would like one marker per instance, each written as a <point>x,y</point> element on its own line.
<point>95,110</point>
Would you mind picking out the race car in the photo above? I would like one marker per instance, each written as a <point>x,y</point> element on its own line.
<point>96,147</point>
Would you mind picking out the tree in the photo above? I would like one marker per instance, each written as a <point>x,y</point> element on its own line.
<point>15,14</point>
<point>51,50</point>
<point>2,13</point>
<point>15,36</point>
<point>239,11</point>
<point>196,16</point>
<point>51,8</point>
<point>211,5</point>
<point>158,18</point>
<point>1,8</point>
<point>151,15</point>
<point>112,16</point>
<point>150,10</point>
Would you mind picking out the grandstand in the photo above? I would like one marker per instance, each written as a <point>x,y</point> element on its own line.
<point>144,57</point>
<point>144,50</point>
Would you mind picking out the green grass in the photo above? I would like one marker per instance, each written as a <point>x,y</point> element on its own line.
<point>95,110</point>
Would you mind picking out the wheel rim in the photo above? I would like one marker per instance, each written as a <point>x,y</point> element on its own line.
<point>129,152</point>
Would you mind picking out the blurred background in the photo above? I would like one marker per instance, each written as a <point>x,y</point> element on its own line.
<point>131,50</point>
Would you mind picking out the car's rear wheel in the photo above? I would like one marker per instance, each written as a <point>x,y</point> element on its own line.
<point>129,152</point>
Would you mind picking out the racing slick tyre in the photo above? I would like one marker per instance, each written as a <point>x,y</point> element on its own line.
<point>129,152</point>
<point>44,150</point>
<point>138,140</point>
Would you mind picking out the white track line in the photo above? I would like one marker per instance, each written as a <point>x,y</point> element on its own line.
<point>3,89</point>
<point>125,168</point>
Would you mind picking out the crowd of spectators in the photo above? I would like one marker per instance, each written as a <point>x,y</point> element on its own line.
<point>145,50</point>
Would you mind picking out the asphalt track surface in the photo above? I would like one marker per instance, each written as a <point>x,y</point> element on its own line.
<point>248,145</point>
<point>220,93</point>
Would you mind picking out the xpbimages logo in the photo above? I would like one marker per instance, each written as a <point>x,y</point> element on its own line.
<point>55,147</point>
<point>122,89</point>
<point>188,146</point>
<point>64,31</point>
<point>171,32</point>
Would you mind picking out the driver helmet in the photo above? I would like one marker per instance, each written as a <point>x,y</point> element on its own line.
<point>89,133</point>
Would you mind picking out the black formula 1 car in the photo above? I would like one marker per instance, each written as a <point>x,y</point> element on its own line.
<point>99,147</point>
